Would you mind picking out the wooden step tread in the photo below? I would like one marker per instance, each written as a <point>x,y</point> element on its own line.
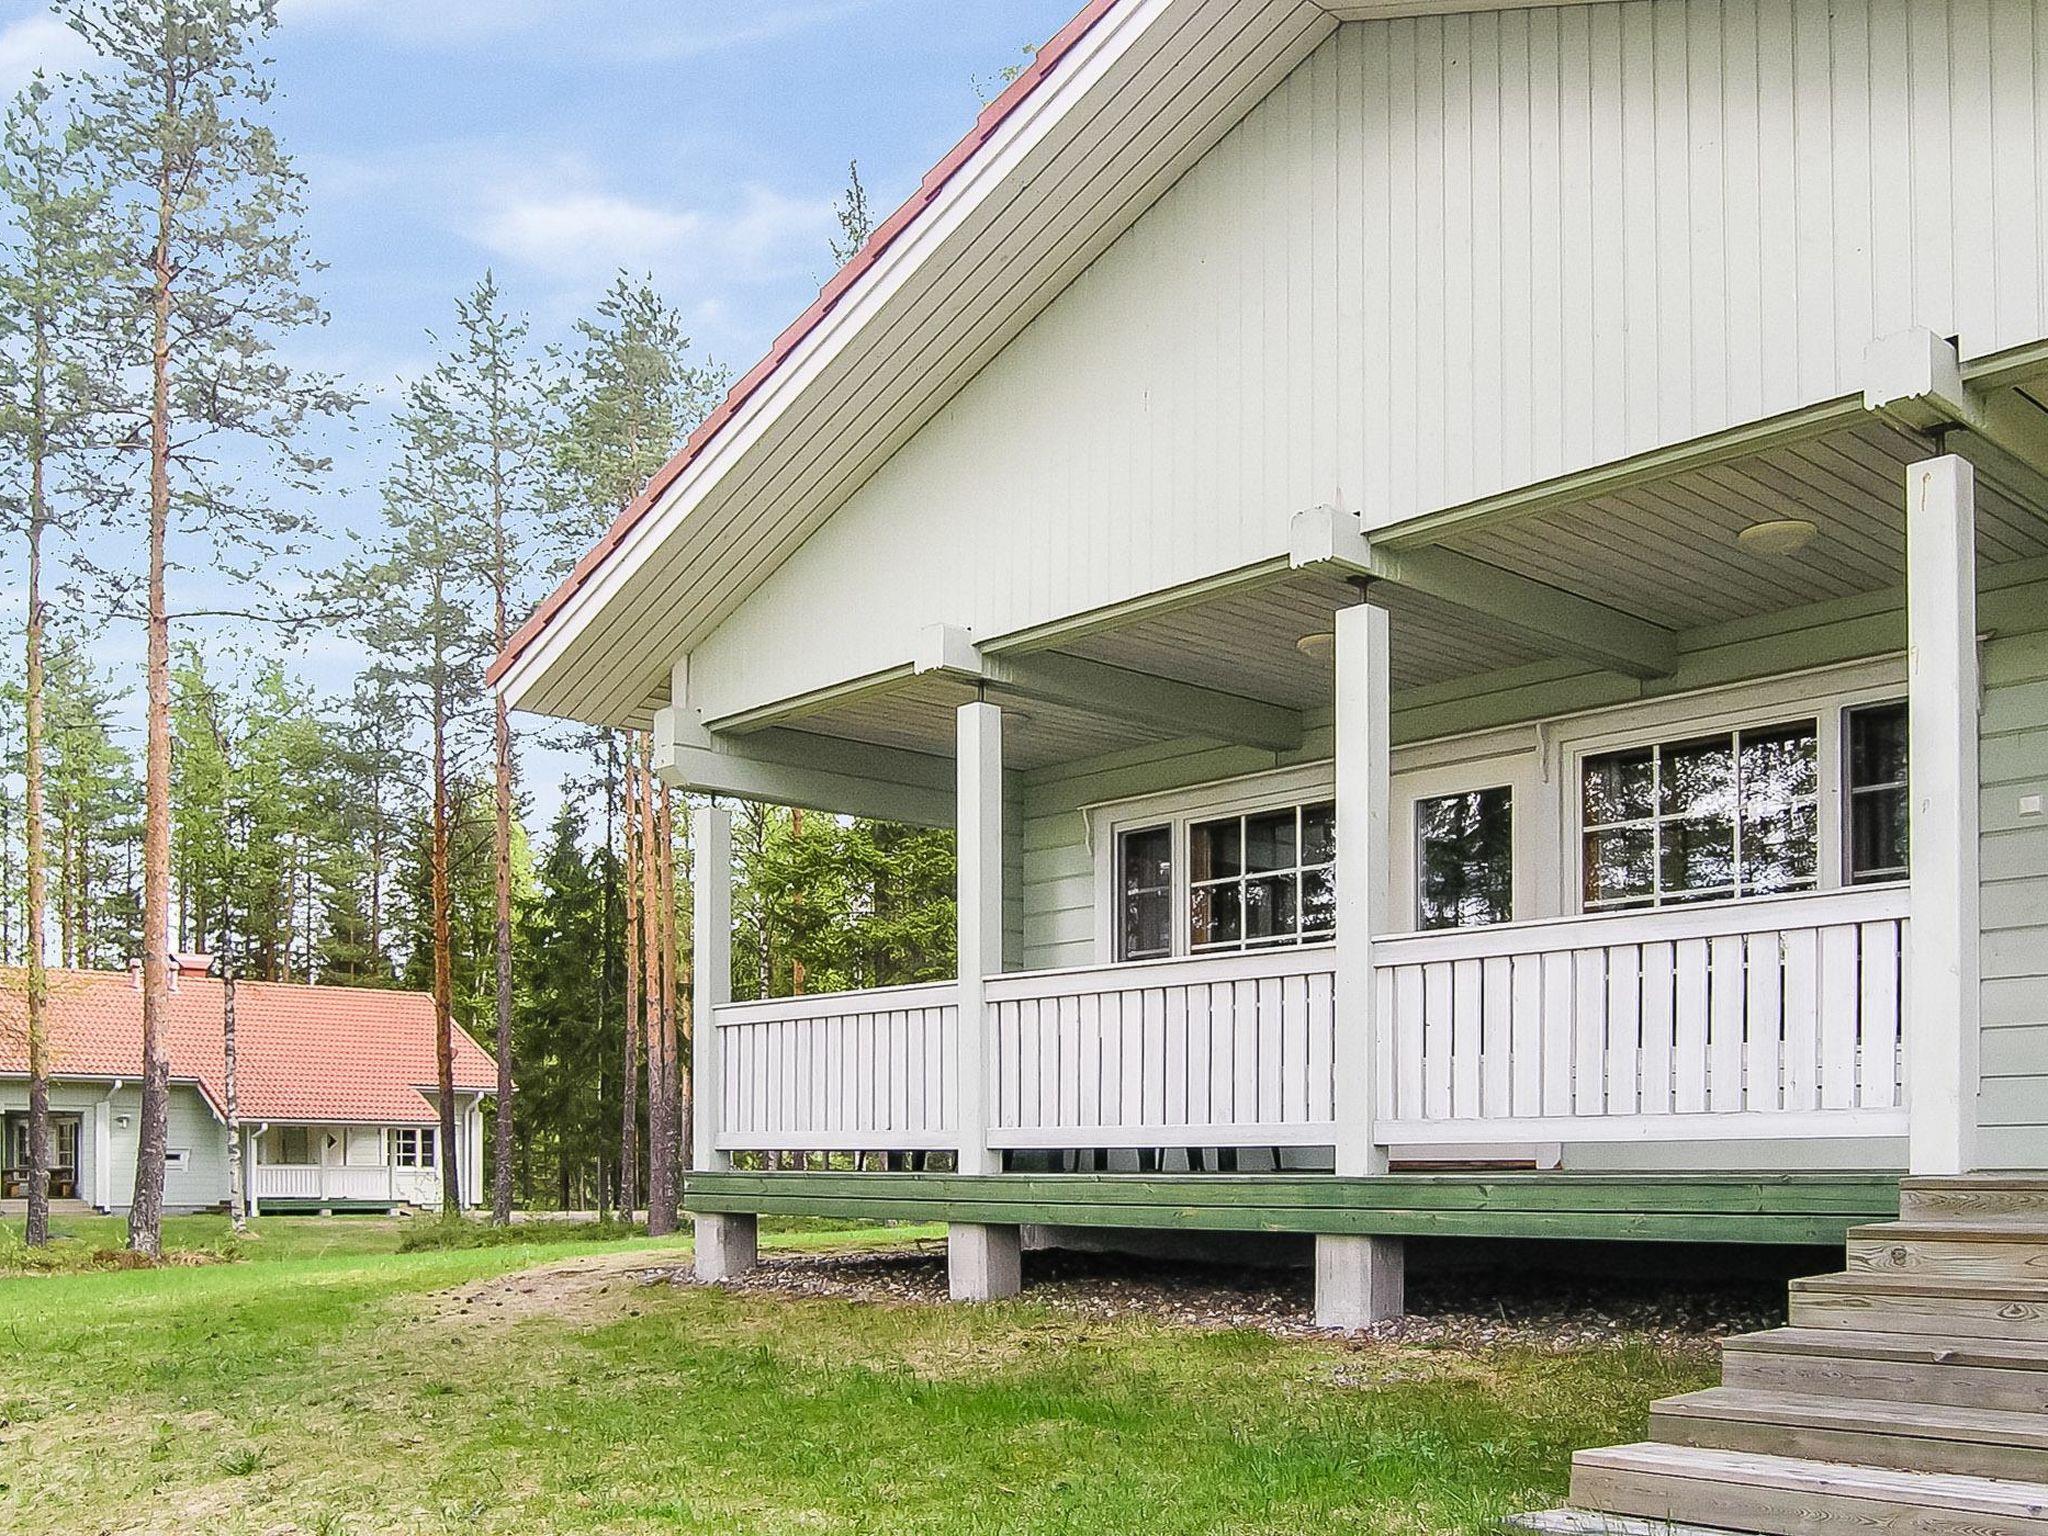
<point>1752,1471</point>
<point>1910,1348</point>
<point>1583,1522</point>
<point>1944,1182</point>
<point>1919,1283</point>
<point>1976,1229</point>
<point>1862,1414</point>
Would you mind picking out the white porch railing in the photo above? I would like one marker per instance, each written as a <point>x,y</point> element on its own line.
<point>310,1181</point>
<point>1779,1017</point>
<point>1222,1050</point>
<point>849,1071</point>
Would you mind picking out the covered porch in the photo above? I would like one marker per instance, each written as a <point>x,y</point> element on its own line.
<point>1677,692</point>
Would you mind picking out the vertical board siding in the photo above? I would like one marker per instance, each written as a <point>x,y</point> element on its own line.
<point>1445,257</point>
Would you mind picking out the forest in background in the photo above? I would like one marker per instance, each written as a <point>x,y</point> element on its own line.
<point>375,839</point>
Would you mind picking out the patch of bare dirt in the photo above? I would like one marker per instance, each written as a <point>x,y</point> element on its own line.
<point>587,1287</point>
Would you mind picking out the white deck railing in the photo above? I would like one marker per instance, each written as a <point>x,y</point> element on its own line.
<point>309,1181</point>
<point>850,1071</point>
<point>1221,1050</point>
<point>1778,1017</point>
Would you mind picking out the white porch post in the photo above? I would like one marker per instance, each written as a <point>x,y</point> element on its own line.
<point>252,1202</point>
<point>983,1262</point>
<point>1942,995</point>
<point>727,1245</point>
<point>1359,1280</point>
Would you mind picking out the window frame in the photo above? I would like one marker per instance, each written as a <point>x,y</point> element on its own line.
<point>1415,884</point>
<point>1826,698</point>
<point>413,1148</point>
<point>1242,881</point>
<point>1846,852</point>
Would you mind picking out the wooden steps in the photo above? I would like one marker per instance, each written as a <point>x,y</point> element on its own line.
<point>1908,1395</point>
<point>1793,1496</point>
<point>1970,1442</point>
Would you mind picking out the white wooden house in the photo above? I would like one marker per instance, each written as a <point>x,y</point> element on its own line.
<point>335,1094</point>
<point>1416,544</point>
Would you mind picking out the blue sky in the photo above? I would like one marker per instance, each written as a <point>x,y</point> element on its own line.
<point>555,141</point>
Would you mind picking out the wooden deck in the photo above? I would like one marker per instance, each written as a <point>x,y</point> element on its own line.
<point>1789,1208</point>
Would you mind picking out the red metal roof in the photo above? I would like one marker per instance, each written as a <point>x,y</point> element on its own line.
<point>885,235</point>
<point>302,1053</point>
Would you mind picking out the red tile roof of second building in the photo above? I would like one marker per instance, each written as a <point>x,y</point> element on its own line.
<point>302,1052</point>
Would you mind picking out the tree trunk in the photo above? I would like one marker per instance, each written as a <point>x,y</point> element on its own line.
<point>661,1120</point>
<point>501,836</point>
<point>629,1113</point>
<point>37,1231</point>
<point>444,981</point>
<point>145,1214</point>
<point>238,1188</point>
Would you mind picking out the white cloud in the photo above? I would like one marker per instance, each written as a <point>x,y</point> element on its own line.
<point>38,42</point>
<point>570,233</point>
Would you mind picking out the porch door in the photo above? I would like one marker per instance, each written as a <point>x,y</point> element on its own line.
<point>64,1131</point>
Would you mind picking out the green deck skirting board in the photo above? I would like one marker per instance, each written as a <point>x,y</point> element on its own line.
<point>1735,1208</point>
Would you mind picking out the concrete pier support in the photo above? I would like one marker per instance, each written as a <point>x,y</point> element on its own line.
<point>1359,1280</point>
<point>983,1263</point>
<point>727,1246</point>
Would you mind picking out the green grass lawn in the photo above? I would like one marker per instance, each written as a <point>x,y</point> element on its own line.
<point>333,1385</point>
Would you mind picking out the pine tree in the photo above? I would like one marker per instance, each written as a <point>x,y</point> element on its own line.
<point>418,593</point>
<point>495,401</point>
<point>855,222</point>
<point>51,269</point>
<point>212,208</point>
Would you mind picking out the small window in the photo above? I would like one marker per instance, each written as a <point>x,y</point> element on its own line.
<point>1465,859</point>
<point>412,1147</point>
<point>177,1157</point>
<point>1703,819</point>
<point>1877,786</point>
<point>1145,874</point>
<point>1264,878</point>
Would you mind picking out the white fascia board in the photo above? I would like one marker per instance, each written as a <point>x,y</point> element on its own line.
<point>983,173</point>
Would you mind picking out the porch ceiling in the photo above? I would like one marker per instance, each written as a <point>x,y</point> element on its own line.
<point>1667,550</point>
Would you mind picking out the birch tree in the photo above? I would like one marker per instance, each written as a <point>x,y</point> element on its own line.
<point>51,267</point>
<point>210,208</point>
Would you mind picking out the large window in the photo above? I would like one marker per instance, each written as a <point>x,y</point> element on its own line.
<point>412,1147</point>
<point>1265,878</point>
<point>1877,811</point>
<point>288,1145</point>
<point>1710,817</point>
<point>1206,884</point>
<point>1465,859</point>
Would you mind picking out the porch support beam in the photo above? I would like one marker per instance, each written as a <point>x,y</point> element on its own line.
<point>1332,539</point>
<point>979,925</point>
<point>1117,693</point>
<point>1942,1004</point>
<point>789,767</point>
<point>726,1243</point>
<point>1915,378</point>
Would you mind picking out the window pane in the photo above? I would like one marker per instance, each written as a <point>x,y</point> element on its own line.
<point>1877,835</point>
<point>1212,850</point>
<point>1465,859</point>
<point>1618,786</point>
<point>1269,840</point>
<point>1779,766</point>
<point>1319,902</point>
<point>1215,918</point>
<point>1698,779</point>
<point>1318,833</point>
<point>1781,851</point>
<point>1877,745</point>
<point>1699,856</point>
<point>1620,866</point>
<point>1147,858</point>
<point>1269,908</point>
